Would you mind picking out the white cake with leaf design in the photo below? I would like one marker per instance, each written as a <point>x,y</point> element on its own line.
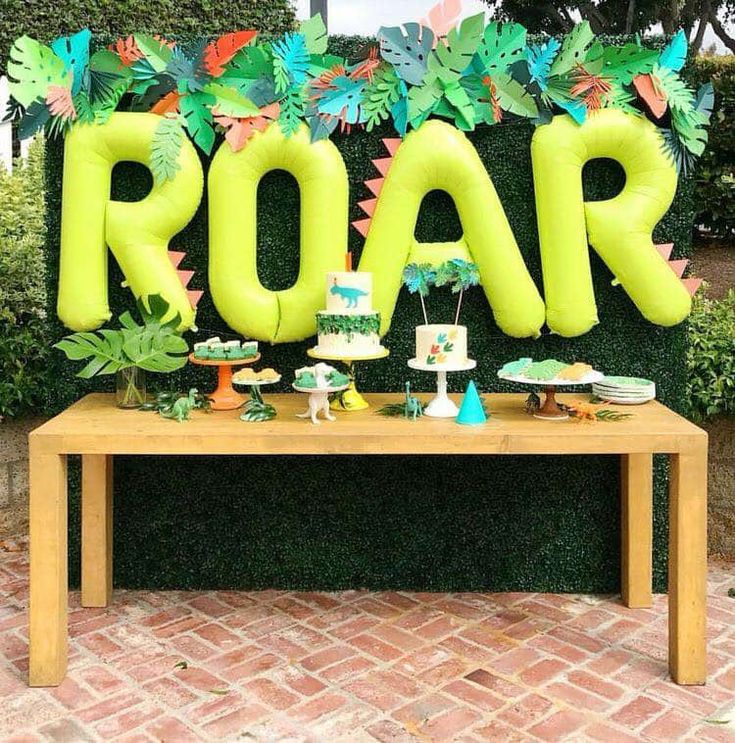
<point>349,326</point>
<point>441,345</point>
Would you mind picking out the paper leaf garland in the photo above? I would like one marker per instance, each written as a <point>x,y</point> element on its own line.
<point>624,63</point>
<point>409,53</point>
<point>230,102</point>
<point>74,51</point>
<point>165,149</point>
<point>219,52</point>
<point>32,68</point>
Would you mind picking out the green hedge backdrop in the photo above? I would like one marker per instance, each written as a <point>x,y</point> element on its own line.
<point>446,523</point>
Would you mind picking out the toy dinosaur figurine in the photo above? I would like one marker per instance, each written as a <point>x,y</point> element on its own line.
<point>182,407</point>
<point>533,403</point>
<point>413,406</point>
<point>349,294</point>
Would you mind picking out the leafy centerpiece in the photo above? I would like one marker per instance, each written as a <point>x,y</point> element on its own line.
<point>154,346</point>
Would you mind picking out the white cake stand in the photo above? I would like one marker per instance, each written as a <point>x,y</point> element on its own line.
<point>441,406</point>
<point>350,398</point>
<point>550,411</point>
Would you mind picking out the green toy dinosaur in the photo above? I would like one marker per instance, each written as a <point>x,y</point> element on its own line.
<point>182,407</point>
<point>413,407</point>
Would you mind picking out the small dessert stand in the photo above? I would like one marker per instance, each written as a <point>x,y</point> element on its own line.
<point>318,401</point>
<point>353,400</point>
<point>224,397</point>
<point>441,406</point>
<point>550,410</point>
<point>267,411</point>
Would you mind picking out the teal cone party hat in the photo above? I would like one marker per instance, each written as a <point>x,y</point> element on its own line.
<point>471,412</point>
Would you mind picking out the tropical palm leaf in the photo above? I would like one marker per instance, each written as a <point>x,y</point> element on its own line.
<point>501,45</point>
<point>165,148</point>
<point>409,54</point>
<point>573,49</point>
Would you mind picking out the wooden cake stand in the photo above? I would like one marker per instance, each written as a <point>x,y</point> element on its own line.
<point>349,398</point>
<point>225,397</point>
<point>550,410</point>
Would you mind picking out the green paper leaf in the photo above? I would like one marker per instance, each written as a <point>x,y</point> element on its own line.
<point>409,54</point>
<point>573,49</point>
<point>454,55</point>
<point>457,96</point>
<point>195,108</point>
<point>379,96</point>
<point>230,102</point>
<point>34,119</point>
<point>315,34</point>
<point>165,148</point>
<point>513,97</point>
<point>501,45</point>
<point>251,63</point>
<point>625,63</point>
<point>292,112</point>
<point>156,53</point>
<point>422,100</point>
<point>32,68</point>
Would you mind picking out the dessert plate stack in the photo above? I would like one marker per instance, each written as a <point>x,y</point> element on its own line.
<point>624,390</point>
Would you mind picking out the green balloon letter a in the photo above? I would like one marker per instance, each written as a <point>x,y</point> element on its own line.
<point>439,156</point>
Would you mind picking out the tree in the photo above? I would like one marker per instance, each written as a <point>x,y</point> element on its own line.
<point>624,16</point>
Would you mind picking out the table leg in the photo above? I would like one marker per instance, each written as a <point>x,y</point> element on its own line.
<point>48,576</point>
<point>636,550</point>
<point>96,529</point>
<point>688,565</point>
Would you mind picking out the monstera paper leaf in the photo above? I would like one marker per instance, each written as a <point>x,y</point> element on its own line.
<point>196,110</point>
<point>454,55</point>
<point>342,99</point>
<point>573,49</point>
<point>501,45</point>
<point>249,65</point>
<point>623,64</point>
<point>315,34</point>
<point>32,69</point>
<point>229,102</point>
<point>409,53</point>
<point>74,51</point>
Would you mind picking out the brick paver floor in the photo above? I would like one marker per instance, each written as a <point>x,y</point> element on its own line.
<point>361,666</point>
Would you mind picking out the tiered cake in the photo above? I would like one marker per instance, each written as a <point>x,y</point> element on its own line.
<point>441,345</point>
<point>348,327</point>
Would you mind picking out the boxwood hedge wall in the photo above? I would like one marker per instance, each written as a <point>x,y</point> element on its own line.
<point>412,522</point>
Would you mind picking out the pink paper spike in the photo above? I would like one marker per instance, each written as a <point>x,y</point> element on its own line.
<point>362,226</point>
<point>194,296</point>
<point>368,206</point>
<point>383,164</point>
<point>185,277</point>
<point>176,256</point>
<point>678,266</point>
<point>375,185</point>
<point>665,250</point>
<point>692,285</point>
<point>392,144</point>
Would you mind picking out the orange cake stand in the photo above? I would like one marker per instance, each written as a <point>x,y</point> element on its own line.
<point>225,397</point>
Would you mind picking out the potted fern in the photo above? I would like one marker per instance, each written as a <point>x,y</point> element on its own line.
<point>441,344</point>
<point>130,351</point>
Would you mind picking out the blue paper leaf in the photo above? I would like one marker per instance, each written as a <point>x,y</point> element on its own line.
<point>540,59</point>
<point>576,109</point>
<point>74,51</point>
<point>409,54</point>
<point>399,112</point>
<point>294,54</point>
<point>675,53</point>
<point>344,100</point>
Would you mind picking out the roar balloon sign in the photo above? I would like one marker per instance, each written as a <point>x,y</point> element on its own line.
<point>277,103</point>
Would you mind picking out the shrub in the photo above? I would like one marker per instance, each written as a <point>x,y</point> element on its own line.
<point>711,357</point>
<point>716,171</point>
<point>23,346</point>
<point>45,20</point>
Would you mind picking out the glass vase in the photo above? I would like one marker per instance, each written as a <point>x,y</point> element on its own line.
<point>130,388</point>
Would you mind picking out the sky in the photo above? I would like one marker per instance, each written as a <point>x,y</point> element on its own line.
<point>366,16</point>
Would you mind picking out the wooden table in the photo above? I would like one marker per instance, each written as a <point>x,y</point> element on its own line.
<point>97,430</point>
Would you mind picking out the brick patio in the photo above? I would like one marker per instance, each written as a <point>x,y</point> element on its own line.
<point>359,666</point>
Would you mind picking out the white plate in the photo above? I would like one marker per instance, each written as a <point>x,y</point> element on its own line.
<point>589,378</point>
<point>625,400</point>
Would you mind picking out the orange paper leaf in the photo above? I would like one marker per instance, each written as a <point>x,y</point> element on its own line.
<point>239,131</point>
<point>60,103</point>
<point>651,94</point>
<point>127,50</point>
<point>168,104</point>
<point>220,52</point>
